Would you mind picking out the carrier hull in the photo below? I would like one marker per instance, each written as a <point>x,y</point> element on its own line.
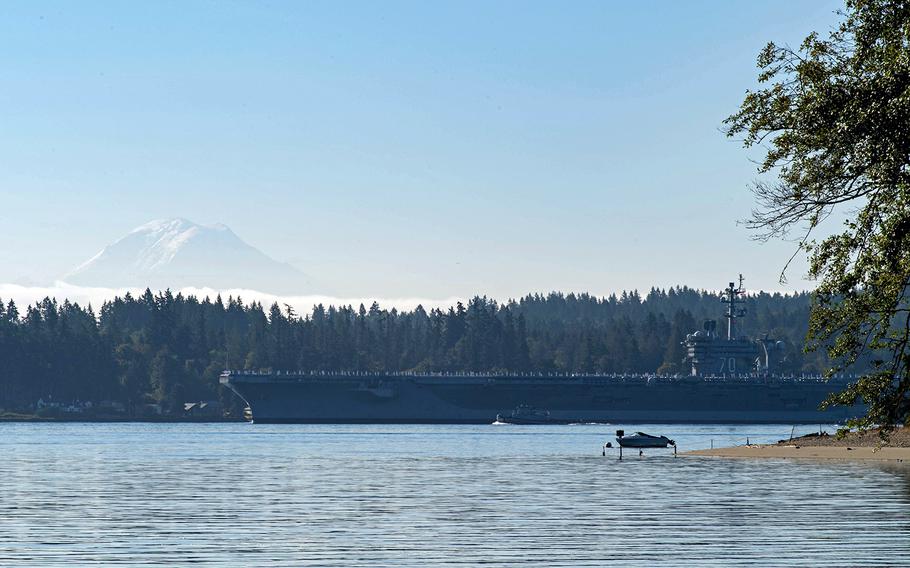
<point>477,399</point>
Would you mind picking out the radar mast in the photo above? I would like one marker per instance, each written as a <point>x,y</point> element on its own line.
<point>731,297</point>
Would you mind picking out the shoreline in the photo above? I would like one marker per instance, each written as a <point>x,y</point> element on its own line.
<point>843,453</point>
<point>147,420</point>
<point>855,446</point>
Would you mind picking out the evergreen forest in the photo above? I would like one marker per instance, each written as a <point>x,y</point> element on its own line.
<point>166,349</point>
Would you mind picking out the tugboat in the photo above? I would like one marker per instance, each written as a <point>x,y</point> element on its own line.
<point>524,414</point>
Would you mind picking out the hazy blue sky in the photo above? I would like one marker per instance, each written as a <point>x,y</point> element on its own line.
<point>394,149</point>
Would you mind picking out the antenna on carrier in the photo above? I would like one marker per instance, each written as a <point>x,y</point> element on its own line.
<point>731,298</point>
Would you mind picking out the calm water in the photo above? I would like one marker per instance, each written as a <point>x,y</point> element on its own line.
<point>245,495</point>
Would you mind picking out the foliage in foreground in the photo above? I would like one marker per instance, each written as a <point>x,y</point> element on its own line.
<point>834,119</point>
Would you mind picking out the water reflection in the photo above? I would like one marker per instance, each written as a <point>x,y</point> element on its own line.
<point>230,494</point>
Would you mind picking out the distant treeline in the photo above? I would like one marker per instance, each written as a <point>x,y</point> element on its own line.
<point>166,349</point>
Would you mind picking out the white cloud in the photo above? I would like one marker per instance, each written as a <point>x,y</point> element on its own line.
<point>26,295</point>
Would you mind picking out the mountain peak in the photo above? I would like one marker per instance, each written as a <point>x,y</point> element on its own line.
<point>173,223</point>
<point>177,253</point>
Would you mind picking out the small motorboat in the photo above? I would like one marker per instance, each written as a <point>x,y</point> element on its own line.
<point>642,440</point>
<point>524,414</point>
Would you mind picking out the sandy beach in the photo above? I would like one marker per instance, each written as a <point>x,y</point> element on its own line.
<point>865,453</point>
<point>855,446</point>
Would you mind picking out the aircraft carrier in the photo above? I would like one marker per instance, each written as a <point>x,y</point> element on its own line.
<point>731,380</point>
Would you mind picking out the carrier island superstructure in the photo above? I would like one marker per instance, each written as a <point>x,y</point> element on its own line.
<point>730,380</point>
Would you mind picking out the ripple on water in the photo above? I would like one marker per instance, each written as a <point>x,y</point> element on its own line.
<point>236,494</point>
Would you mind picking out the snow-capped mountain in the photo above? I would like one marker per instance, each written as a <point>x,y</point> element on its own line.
<point>176,253</point>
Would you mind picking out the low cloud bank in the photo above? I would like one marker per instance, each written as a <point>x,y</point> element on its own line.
<point>83,295</point>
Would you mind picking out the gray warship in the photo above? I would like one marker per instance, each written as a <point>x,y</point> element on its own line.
<point>731,380</point>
